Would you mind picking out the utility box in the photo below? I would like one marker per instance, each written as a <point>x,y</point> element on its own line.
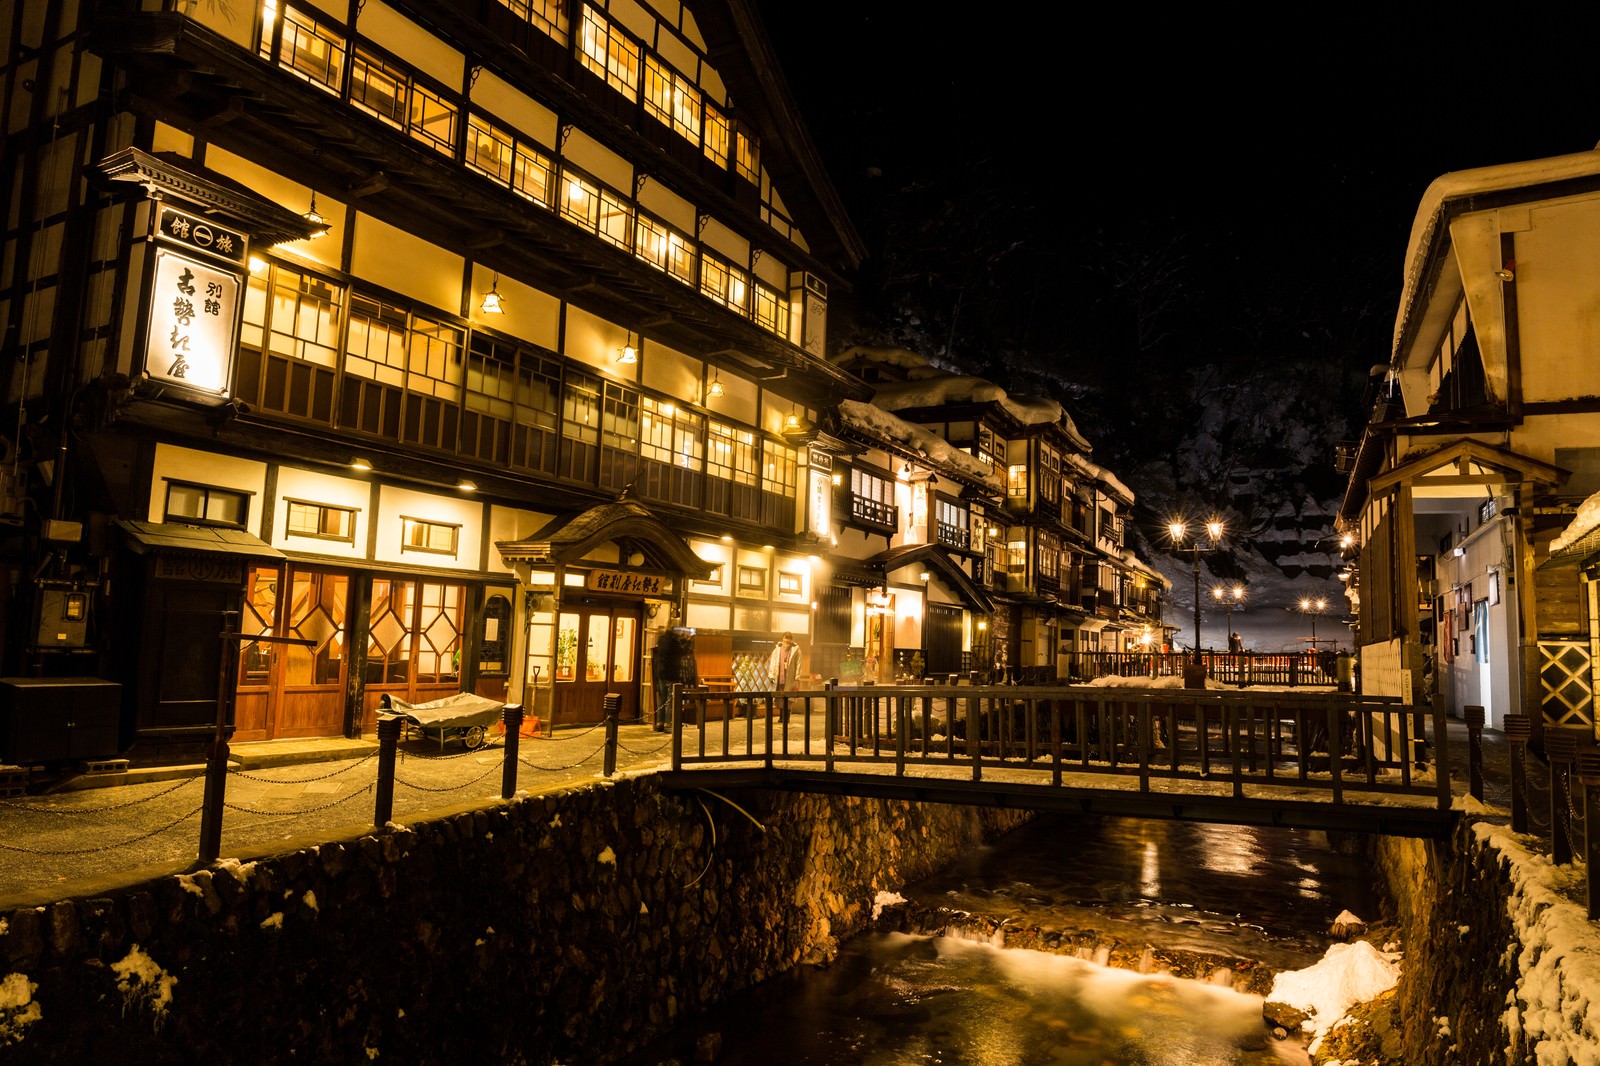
<point>62,615</point>
<point>59,719</point>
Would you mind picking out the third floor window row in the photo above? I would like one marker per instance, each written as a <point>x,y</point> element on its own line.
<point>432,115</point>
<point>315,350</point>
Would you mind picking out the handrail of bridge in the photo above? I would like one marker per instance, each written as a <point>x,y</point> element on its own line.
<point>1339,747</point>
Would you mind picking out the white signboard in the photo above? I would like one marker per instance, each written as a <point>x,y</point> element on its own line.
<point>193,314</point>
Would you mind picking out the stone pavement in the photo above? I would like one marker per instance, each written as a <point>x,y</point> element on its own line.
<point>97,832</point>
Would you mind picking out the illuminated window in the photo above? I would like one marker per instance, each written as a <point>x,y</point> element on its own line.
<point>991,448</point>
<point>712,580</point>
<point>746,156</point>
<point>788,584</point>
<point>663,248</point>
<point>771,310</point>
<point>670,434</point>
<point>206,505</point>
<point>671,99</point>
<point>779,469</point>
<point>526,170</point>
<point>607,52</point>
<point>872,498</point>
<point>417,534</point>
<point>320,520</point>
<point>547,15</point>
<point>309,50</point>
<point>753,579</point>
<point>1017,556</point>
<point>731,454</point>
<point>715,136</point>
<point>388,91</point>
<point>1017,480</point>
<point>725,283</point>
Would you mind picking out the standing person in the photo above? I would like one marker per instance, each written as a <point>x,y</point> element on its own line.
<point>783,665</point>
<point>674,663</point>
<point>783,668</point>
<point>1235,642</point>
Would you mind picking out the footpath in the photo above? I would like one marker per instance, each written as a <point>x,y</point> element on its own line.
<point>94,832</point>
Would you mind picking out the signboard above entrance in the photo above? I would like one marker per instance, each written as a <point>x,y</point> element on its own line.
<point>628,583</point>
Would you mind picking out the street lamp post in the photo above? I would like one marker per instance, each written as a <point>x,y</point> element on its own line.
<point>1313,607</point>
<point>1228,597</point>
<point>1179,531</point>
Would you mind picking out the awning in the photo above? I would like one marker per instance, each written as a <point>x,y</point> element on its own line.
<point>632,526</point>
<point>937,560</point>
<point>145,537</point>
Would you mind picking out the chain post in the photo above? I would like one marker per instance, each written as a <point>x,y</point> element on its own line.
<point>613,704</point>
<point>1561,748</point>
<point>1519,730</point>
<point>388,740</point>
<point>511,727</point>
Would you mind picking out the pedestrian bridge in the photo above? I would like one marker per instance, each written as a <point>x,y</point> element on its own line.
<point>1295,759</point>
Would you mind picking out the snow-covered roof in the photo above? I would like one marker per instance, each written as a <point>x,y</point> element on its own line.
<point>883,425</point>
<point>929,386</point>
<point>1586,521</point>
<point>1433,211</point>
<point>1101,474</point>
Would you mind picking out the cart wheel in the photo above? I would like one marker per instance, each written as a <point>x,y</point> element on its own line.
<point>473,737</point>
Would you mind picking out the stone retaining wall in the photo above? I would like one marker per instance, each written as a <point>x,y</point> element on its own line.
<point>566,928</point>
<point>1498,967</point>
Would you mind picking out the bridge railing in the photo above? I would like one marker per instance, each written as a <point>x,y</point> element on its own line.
<point>1327,742</point>
<point>1241,668</point>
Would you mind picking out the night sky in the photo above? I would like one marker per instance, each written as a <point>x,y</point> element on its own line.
<point>1141,205</point>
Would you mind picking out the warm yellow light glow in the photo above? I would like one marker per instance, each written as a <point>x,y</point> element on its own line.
<point>257,264</point>
<point>319,223</point>
<point>360,464</point>
<point>466,486</point>
<point>627,354</point>
<point>492,304</point>
<point>1214,529</point>
<point>715,388</point>
<point>1176,530</point>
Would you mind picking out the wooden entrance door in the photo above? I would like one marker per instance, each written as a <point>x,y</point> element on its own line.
<point>292,690</point>
<point>597,652</point>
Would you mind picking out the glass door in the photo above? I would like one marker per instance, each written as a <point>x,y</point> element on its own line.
<point>597,653</point>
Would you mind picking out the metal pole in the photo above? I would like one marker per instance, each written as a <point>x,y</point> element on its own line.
<point>1561,748</point>
<point>1197,603</point>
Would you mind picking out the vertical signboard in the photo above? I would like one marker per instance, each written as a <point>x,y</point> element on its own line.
<point>819,493</point>
<point>194,302</point>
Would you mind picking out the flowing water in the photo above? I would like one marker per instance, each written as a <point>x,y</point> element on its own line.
<point>966,983</point>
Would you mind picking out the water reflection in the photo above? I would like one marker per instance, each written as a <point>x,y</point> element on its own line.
<point>1268,895</point>
<point>898,1000</point>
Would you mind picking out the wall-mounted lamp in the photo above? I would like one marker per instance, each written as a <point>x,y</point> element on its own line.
<point>628,353</point>
<point>257,264</point>
<point>905,471</point>
<point>316,219</point>
<point>715,388</point>
<point>923,576</point>
<point>1506,274</point>
<point>493,304</point>
<point>467,486</point>
<point>838,479</point>
<point>360,464</point>
<point>793,419</point>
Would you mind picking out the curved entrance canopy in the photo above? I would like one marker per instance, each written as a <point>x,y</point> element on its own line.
<point>631,526</point>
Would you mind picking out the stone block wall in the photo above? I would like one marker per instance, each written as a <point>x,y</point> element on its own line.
<point>565,928</point>
<point>1498,966</point>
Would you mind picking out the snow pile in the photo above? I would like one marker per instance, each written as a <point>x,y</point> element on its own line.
<point>1555,1010</point>
<point>17,1008</point>
<point>1348,974</point>
<point>142,982</point>
<point>885,899</point>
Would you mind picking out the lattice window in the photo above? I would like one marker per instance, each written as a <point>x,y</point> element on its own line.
<point>1566,692</point>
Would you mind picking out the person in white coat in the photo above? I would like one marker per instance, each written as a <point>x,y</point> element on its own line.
<point>783,665</point>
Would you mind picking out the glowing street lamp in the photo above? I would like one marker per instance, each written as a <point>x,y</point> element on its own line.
<point>1228,597</point>
<point>1179,532</point>
<point>1313,607</point>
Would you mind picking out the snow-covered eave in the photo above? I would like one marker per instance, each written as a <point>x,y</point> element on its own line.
<point>876,424</point>
<point>1477,189</point>
<point>1103,477</point>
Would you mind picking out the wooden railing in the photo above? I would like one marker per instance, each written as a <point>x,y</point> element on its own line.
<point>1331,745</point>
<point>1234,668</point>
